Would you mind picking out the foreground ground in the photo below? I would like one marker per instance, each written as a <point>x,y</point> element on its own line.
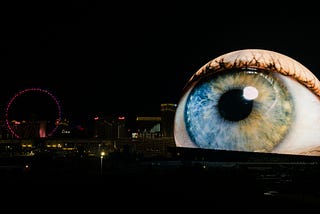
<point>83,182</point>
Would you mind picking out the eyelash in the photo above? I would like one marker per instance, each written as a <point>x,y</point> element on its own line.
<point>254,64</point>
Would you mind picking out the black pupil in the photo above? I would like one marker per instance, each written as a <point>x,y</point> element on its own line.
<point>233,106</point>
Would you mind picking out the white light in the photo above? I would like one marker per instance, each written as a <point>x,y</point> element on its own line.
<point>250,93</point>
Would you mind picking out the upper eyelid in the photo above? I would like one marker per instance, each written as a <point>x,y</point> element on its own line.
<point>260,59</point>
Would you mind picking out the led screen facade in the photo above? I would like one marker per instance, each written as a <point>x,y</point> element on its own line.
<point>250,100</point>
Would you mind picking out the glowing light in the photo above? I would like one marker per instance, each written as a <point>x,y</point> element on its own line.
<point>250,93</point>
<point>42,129</point>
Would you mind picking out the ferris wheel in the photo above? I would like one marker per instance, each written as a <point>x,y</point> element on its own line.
<point>33,113</point>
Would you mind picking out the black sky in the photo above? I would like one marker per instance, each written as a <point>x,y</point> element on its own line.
<point>128,58</point>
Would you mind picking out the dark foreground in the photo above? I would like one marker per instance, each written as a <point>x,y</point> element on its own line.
<point>121,183</point>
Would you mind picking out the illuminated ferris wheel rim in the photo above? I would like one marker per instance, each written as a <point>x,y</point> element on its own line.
<point>23,92</point>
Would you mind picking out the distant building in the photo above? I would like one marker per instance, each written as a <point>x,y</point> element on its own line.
<point>28,129</point>
<point>168,111</point>
<point>148,127</point>
<point>110,127</point>
<point>4,132</point>
<point>156,126</point>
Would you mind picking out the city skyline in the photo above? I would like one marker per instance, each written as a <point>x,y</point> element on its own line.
<point>36,112</point>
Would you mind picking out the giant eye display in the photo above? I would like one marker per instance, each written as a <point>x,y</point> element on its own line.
<point>251,100</point>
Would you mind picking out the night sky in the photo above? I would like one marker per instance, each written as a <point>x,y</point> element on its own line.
<point>128,58</point>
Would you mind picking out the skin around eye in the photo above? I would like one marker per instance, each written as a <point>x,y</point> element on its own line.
<point>283,118</point>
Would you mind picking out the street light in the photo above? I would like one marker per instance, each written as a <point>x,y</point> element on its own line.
<point>102,154</point>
